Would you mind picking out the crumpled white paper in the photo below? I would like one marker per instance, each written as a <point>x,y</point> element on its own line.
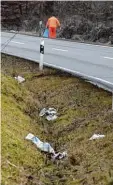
<point>50,113</point>
<point>96,136</point>
<point>20,79</point>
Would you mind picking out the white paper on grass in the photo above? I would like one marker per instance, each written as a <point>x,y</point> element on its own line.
<point>20,79</point>
<point>29,136</point>
<point>50,113</point>
<point>51,117</point>
<point>43,112</point>
<point>96,136</point>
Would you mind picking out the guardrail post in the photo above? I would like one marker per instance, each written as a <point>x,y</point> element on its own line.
<point>41,55</point>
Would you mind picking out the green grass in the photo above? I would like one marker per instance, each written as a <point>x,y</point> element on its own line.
<point>83,110</point>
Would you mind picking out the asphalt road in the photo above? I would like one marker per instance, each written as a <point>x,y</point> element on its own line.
<point>92,62</point>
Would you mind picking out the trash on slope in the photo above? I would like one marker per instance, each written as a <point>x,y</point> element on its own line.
<point>43,112</point>
<point>20,79</point>
<point>59,155</point>
<point>46,147</point>
<point>43,146</point>
<point>51,117</point>
<point>96,136</point>
<point>49,113</point>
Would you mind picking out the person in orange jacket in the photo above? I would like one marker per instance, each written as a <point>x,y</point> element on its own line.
<point>52,25</point>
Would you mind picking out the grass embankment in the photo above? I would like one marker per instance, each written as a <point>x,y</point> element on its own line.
<point>83,110</point>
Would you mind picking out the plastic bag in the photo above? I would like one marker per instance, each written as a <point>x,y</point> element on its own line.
<point>46,33</point>
<point>43,146</point>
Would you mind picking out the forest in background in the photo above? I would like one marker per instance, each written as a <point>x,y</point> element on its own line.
<point>80,20</point>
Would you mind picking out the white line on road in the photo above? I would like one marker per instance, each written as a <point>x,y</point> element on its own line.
<point>97,45</point>
<point>109,58</point>
<point>68,70</point>
<point>17,42</point>
<point>59,49</point>
<point>79,73</point>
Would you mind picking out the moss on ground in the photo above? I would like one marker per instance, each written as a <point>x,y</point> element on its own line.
<point>83,110</point>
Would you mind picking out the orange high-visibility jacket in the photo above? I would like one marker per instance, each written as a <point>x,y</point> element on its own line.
<point>53,22</point>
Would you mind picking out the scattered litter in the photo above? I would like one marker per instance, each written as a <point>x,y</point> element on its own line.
<point>20,79</point>
<point>51,117</point>
<point>96,136</point>
<point>46,147</point>
<point>43,146</point>
<point>49,113</point>
<point>59,155</point>
<point>43,112</point>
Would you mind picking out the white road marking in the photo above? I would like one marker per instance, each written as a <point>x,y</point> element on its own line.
<point>109,58</point>
<point>59,49</point>
<point>70,41</point>
<point>104,46</point>
<point>17,42</point>
<point>97,45</point>
<point>79,73</point>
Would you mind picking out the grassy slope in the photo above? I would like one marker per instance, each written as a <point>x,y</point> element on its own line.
<point>83,110</point>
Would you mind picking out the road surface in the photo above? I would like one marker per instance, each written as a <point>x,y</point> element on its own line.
<point>91,62</point>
